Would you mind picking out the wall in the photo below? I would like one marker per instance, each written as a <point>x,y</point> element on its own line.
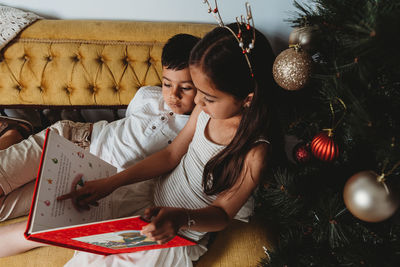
<point>269,15</point>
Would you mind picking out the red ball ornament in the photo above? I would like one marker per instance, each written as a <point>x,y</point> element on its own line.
<point>302,153</point>
<point>323,147</point>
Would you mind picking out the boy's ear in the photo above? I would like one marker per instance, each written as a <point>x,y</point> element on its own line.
<point>247,100</point>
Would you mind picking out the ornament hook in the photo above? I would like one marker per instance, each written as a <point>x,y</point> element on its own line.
<point>334,125</point>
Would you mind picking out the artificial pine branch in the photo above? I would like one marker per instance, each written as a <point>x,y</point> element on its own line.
<point>355,51</point>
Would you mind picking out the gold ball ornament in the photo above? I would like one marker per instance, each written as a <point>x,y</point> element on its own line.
<point>368,198</point>
<point>292,69</point>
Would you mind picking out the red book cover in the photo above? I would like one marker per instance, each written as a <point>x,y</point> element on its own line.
<point>65,166</point>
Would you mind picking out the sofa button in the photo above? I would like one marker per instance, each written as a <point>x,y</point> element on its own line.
<point>169,141</point>
<point>49,58</point>
<point>171,113</point>
<point>90,88</point>
<point>162,118</point>
<point>153,127</point>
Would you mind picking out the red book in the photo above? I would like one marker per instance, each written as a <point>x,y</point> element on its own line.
<point>64,166</point>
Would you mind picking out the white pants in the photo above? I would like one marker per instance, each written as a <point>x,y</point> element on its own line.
<point>19,166</point>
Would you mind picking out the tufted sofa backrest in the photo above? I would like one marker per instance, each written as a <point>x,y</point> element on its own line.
<point>87,63</point>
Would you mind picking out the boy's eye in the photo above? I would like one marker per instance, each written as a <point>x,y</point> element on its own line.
<point>166,85</point>
<point>186,88</point>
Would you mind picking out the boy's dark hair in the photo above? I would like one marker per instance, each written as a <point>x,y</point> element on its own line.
<point>176,51</point>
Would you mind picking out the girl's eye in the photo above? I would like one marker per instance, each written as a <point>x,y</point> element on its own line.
<point>208,100</point>
<point>166,85</point>
<point>186,88</point>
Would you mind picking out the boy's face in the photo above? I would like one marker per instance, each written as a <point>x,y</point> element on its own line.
<point>178,90</point>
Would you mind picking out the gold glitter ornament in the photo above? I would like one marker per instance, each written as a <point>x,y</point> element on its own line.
<point>368,198</point>
<point>292,69</point>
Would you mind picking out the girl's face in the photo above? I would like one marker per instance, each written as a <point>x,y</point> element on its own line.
<point>217,104</point>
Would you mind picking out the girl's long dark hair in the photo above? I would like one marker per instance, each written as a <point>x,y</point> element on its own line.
<point>219,56</point>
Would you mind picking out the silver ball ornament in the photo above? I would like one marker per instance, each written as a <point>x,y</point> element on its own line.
<point>304,36</point>
<point>294,36</point>
<point>368,198</point>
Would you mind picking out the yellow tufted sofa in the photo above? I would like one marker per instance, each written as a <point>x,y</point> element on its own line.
<point>101,64</point>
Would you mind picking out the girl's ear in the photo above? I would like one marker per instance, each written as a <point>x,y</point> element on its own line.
<point>247,100</point>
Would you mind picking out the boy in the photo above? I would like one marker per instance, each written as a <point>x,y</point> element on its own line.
<point>153,118</point>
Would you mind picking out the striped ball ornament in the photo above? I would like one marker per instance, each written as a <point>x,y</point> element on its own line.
<point>324,148</point>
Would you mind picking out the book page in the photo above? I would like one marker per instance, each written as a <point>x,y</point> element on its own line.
<point>66,165</point>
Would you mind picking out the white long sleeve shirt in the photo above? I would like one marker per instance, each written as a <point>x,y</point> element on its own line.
<point>148,127</point>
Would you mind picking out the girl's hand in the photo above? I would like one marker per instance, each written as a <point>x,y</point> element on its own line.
<point>88,194</point>
<point>165,225</point>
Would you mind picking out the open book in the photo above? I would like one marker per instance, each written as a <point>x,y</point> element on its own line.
<point>65,166</point>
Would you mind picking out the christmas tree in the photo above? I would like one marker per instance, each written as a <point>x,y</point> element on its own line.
<point>335,202</point>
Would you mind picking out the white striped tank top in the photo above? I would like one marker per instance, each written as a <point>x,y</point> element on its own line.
<point>183,186</point>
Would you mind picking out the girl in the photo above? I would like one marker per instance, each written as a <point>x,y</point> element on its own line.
<point>216,161</point>
<point>212,167</point>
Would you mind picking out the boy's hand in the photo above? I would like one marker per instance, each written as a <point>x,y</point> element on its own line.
<point>88,194</point>
<point>165,225</point>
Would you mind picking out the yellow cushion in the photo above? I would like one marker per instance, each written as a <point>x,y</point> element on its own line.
<point>240,244</point>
